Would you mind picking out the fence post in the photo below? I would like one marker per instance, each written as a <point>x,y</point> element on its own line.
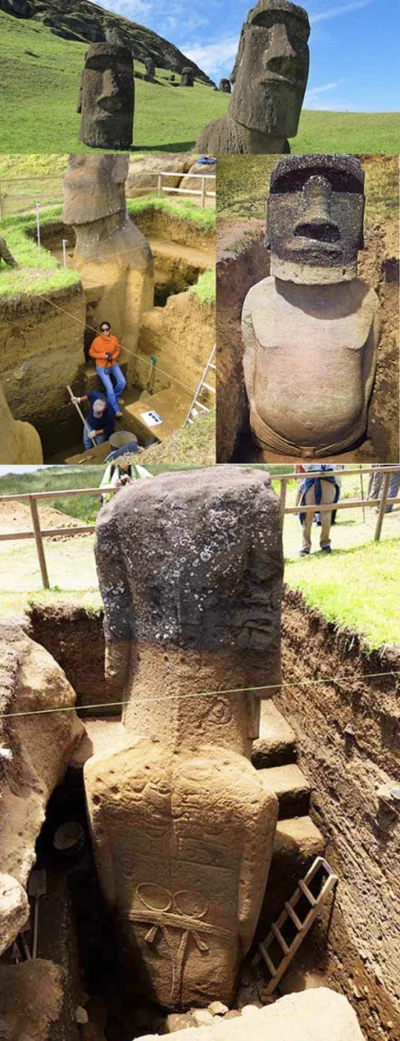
<point>64,247</point>
<point>385,492</point>
<point>1,205</point>
<point>38,223</point>
<point>203,192</point>
<point>39,541</point>
<point>362,491</point>
<point>159,183</point>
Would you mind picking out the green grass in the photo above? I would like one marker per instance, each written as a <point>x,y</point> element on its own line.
<point>39,115</point>
<point>187,210</point>
<point>60,478</point>
<point>206,287</point>
<point>39,271</point>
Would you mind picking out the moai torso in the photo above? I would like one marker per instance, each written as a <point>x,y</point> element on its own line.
<point>19,442</point>
<point>106,100</point>
<point>182,826</point>
<point>311,330</point>
<point>270,77</point>
<point>111,254</point>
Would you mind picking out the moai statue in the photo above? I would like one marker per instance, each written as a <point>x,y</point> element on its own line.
<point>190,570</point>
<point>225,86</point>
<point>19,442</point>
<point>270,78</point>
<point>150,67</point>
<point>111,254</point>
<point>187,77</point>
<point>107,95</point>
<point>311,330</point>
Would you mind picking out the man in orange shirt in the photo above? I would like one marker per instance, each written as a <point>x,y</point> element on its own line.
<point>105,349</point>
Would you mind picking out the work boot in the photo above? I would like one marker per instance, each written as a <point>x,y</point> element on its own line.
<point>326,549</point>
<point>304,553</point>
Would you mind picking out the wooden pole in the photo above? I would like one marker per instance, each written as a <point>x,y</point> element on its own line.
<point>385,493</point>
<point>283,491</point>
<point>362,493</point>
<point>78,409</point>
<point>39,541</point>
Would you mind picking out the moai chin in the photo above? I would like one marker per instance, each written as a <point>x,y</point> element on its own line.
<point>270,78</point>
<point>111,254</point>
<point>187,77</point>
<point>107,96</point>
<point>311,330</point>
<point>190,569</point>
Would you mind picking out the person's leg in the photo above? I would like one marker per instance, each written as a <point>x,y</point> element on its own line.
<point>328,495</point>
<point>88,443</point>
<point>120,382</point>
<point>307,524</point>
<point>108,385</point>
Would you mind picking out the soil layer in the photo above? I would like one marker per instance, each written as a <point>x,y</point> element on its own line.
<point>348,730</point>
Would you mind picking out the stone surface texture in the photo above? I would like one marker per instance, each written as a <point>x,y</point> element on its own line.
<point>19,442</point>
<point>314,1015</point>
<point>106,101</point>
<point>312,328</point>
<point>190,570</point>
<point>35,753</point>
<point>111,254</point>
<point>31,997</point>
<point>270,77</point>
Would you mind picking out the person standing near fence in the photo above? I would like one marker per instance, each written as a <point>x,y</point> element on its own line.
<point>106,349</point>
<point>318,491</point>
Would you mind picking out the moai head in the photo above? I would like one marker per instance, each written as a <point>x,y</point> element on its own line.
<point>187,77</point>
<point>150,69</point>
<point>315,218</point>
<point>271,69</point>
<point>225,86</point>
<point>94,187</point>
<point>107,96</point>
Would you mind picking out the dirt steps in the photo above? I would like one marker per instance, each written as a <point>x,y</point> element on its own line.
<point>291,787</point>
<point>276,744</point>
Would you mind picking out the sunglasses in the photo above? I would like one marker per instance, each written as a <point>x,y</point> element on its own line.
<point>105,329</point>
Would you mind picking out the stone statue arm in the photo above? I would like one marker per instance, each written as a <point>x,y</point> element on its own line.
<point>371,353</point>
<point>79,104</point>
<point>249,348</point>
<point>94,769</point>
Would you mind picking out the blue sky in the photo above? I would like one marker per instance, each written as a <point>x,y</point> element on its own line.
<point>354,44</point>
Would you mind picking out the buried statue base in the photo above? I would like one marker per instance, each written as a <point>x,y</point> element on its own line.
<point>311,330</point>
<point>183,826</point>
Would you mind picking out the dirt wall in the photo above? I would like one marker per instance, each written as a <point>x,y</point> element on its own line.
<point>181,335</point>
<point>41,351</point>
<point>75,639</point>
<point>359,946</point>
<point>159,224</point>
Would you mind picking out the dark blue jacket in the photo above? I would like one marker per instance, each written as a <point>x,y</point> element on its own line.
<point>105,422</point>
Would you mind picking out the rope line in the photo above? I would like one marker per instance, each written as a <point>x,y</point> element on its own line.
<point>198,694</point>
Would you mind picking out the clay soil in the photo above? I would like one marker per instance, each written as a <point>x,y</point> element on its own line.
<point>16,516</point>
<point>356,944</point>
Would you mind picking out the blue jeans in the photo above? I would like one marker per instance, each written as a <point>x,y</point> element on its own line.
<point>113,393</point>
<point>88,443</point>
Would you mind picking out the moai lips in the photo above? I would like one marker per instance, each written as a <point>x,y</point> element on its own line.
<point>107,97</point>
<point>270,78</point>
<point>190,568</point>
<point>311,330</point>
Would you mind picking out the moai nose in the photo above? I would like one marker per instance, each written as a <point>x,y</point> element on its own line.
<point>110,98</point>
<point>316,222</point>
<point>279,49</point>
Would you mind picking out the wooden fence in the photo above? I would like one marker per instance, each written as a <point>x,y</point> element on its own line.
<point>187,191</point>
<point>39,533</point>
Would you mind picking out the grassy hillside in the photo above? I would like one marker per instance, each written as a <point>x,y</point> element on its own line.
<point>40,114</point>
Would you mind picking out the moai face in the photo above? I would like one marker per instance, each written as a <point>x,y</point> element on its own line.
<point>315,218</point>
<point>107,96</point>
<point>271,68</point>
<point>187,77</point>
<point>225,86</point>
<point>94,187</point>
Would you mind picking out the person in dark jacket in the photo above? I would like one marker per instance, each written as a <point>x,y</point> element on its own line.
<point>100,418</point>
<point>6,255</point>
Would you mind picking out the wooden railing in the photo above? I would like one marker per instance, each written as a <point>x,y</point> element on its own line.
<point>187,191</point>
<point>39,533</point>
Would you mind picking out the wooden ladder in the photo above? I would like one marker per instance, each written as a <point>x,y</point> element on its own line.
<point>203,385</point>
<point>290,929</point>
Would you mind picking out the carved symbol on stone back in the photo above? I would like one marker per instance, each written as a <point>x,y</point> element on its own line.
<point>178,911</point>
<point>219,711</point>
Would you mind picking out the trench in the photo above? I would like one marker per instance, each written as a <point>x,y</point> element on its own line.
<point>41,398</point>
<point>352,946</point>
